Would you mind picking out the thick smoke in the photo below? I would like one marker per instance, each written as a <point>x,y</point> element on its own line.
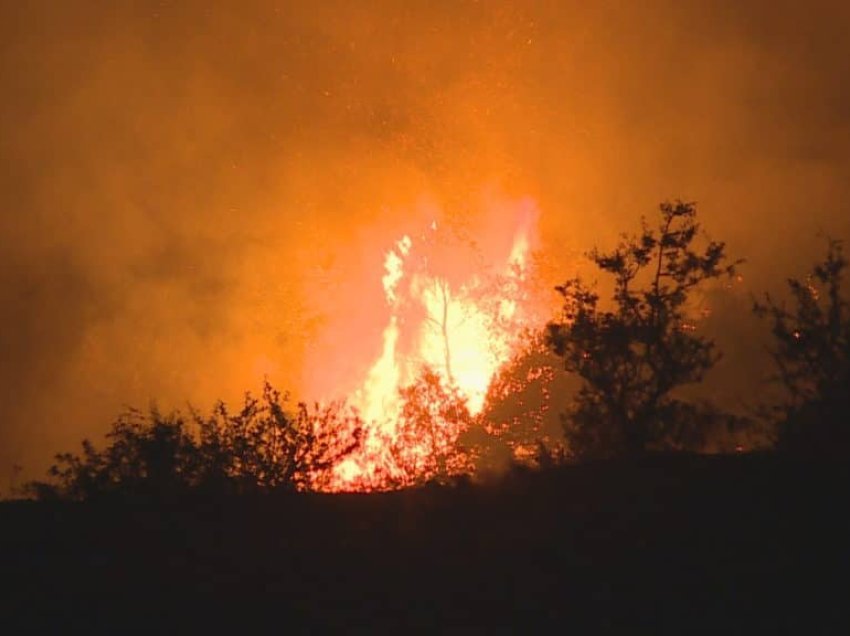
<point>195,191</point>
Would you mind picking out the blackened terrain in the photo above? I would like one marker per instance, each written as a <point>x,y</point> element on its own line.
<point>685,544</point>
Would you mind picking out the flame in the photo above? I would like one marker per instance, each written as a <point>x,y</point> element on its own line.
<point>461,329</point>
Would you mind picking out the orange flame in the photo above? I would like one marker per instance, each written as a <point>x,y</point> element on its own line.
<point>462,330</point>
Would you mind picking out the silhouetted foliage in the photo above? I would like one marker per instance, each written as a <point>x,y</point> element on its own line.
<point>520,421</point>
<point>261,447</point>
<point>151,455</point>
<point>632,357</point>
<point>265,446</point>
<point>426,446</point>
<point>811,353</point>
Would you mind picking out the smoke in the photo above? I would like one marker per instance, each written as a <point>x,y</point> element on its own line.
<point>195,192</point>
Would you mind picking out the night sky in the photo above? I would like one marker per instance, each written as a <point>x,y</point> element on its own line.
<point>194,191</point>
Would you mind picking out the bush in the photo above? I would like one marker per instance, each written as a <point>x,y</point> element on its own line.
<point>262,447</point>
<point>811,354</point>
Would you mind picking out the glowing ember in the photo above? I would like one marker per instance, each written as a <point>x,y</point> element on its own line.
<point>445,338</point>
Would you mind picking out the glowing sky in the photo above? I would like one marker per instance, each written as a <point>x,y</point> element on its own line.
<point>195,193</point>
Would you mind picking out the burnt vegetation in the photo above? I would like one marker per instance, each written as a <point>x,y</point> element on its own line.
<point>602,510</point>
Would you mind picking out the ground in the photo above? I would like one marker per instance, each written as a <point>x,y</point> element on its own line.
<point>682,544</point>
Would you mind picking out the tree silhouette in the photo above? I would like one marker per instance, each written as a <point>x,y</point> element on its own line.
<point>811,353</point>
<point>261,447</point>
<point>633,356</point>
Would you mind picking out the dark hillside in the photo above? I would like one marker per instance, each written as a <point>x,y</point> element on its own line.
<point>744,544</point>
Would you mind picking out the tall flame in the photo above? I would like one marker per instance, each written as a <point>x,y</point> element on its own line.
<point>462,331</point>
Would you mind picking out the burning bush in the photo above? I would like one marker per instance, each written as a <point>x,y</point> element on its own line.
<point>458,315</point>
<point>433,416</point>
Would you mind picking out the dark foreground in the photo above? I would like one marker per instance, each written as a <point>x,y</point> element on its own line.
<point>676,544</point>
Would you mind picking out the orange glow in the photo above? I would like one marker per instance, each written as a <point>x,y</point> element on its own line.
<point>461,327</point>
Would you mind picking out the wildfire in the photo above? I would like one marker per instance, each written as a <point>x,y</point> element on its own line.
<point>445,338</point>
